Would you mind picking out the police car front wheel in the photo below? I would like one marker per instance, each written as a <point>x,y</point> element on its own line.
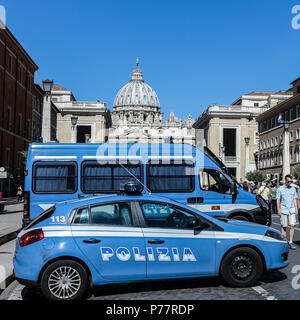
<point>64,280</point>
<point>242,267</point>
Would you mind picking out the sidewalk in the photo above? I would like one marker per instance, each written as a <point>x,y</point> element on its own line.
<point>10,226</point>
<point>7,251</point>
<point>10,220</point>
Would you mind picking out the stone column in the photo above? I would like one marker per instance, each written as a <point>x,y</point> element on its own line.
<point>247,140</point>
<point>286,151</point>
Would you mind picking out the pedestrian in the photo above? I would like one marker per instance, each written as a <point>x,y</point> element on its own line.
<point>246,186</point>
<point>19,193</point>
<point>273,193</point>
<point>287,208</point>
<point>264,191</point>
<point>255,188</point>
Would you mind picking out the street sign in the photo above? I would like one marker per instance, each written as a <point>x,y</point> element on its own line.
<point>3,175</point>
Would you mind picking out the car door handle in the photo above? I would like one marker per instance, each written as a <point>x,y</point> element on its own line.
<point>91,241</point>
<point>156,241</point>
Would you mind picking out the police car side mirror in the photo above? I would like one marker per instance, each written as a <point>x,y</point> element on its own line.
<point>200,225</point>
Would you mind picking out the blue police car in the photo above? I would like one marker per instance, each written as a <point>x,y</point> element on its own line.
<point>126,238</point>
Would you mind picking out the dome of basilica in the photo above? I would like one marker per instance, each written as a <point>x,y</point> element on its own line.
<point>136,93</point>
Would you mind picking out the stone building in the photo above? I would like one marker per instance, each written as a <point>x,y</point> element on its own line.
<point>137,117</point>
<point>279,140</point>
<point>79,121</point>
<point>231,131</point>
<point>17,71</point>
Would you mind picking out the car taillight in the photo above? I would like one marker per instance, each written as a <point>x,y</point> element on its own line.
<point>31,237</point>
<point>26,206</point>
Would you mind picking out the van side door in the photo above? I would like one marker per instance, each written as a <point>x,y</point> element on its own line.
<point>216,190</point>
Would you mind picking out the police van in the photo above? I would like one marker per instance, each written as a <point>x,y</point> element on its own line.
<point>57,172</point>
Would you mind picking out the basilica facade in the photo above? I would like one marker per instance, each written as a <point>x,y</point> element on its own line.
<point>136,116</point>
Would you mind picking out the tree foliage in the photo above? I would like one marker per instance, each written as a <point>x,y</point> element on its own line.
<point>296,172</point>
<point>256,175</point>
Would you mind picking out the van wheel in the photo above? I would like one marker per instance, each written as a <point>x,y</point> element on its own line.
<point>242,267</point>
<point>64,280</point>
<point>241,218</point>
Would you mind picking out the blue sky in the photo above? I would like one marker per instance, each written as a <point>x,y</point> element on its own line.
<point>193,53</point>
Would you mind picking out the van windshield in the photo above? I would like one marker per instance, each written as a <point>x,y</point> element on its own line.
<point>220,164</point>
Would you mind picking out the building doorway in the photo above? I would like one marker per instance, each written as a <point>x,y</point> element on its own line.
<point>82,131</point>
<point>229,142</point>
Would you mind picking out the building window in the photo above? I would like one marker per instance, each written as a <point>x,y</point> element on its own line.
<point>19,123</point>
<point>29,81</point>
<point>7,158</point>
<point>28,131</point>
<point>291,135</point>
<point>292,114</point>
<point>20,75</point>
<point>297,151</point>
<point>10,64</point>
<point>19,161</point>
<point>276,141</point>
<point>256,137</point>
<point>297,134</point>
<point>256,104</point>
<point>286,116</point>
<point>8,123</point>
<point>297,111</point>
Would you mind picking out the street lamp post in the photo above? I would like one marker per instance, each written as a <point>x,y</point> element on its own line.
<point>47,87</point>
<point>247,140</point>
<point>46,120</point>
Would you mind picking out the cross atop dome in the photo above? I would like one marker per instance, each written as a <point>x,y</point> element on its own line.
<point>137,73</point>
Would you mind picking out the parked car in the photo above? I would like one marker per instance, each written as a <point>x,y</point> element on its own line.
<point>132,237</point>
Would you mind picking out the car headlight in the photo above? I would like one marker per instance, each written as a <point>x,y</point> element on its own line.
<point>274,234</point>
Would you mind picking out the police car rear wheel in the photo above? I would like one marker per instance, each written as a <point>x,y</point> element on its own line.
<point>242,267</point>
<point>64,280</point>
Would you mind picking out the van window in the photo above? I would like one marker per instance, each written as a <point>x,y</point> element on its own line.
<point>213,180</point>
<point>54,177</point>
<point>107,178</point>
<point>170,177</point>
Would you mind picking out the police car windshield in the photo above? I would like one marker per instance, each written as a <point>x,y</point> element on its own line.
<point>45,215</point>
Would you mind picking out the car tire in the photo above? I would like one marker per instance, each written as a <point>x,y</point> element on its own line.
<point>242,267</point>
<point>64,280</point>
